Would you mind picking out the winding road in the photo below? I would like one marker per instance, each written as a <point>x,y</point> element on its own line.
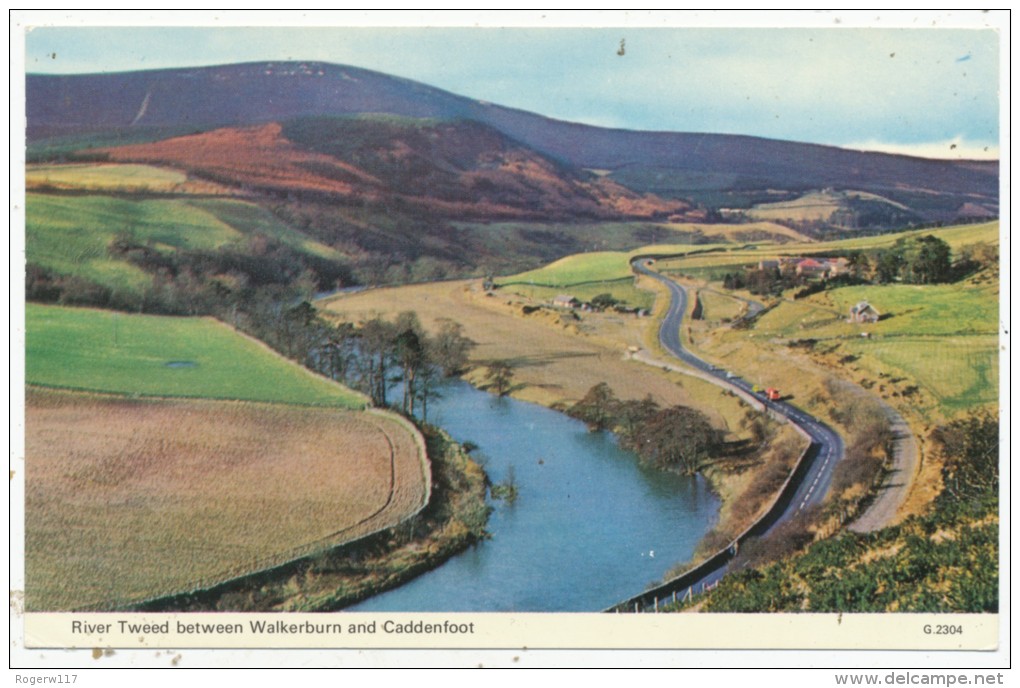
<point>812,478</point>
<point>829,449</point>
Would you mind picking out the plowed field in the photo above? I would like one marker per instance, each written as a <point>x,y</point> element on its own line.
<point>130,499</point>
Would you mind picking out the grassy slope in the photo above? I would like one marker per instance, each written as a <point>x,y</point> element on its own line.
<point>723,261</point>
<point>928,564</point>
<point>71,234</point>
<point>742,233</point>
<point>598,266</point>
<point>128,354</point>
<point>942,337</point>
<point>250,218</point>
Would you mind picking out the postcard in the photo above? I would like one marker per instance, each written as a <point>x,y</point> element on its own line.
<point>483,332</point>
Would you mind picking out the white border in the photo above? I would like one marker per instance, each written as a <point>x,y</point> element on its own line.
<point>725,660</point>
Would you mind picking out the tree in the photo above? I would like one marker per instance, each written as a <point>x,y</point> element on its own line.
<point>376,358</point>
<point>888,264</point>
<point>339,352</point>
<point>918,260</point>
<point>678,437</point>
<point>603,302</point>
<point>500,375</point>
<point>759,425</point>
<point>598,408</point>
<point>858,263</point>
<point>632,415</point>
<point>449,348</point>
<point>428,380</point>
<point>929,261</point>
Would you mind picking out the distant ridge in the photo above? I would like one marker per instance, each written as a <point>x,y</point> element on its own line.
<point>256,93</point>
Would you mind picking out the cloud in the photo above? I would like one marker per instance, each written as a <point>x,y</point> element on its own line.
<point>818,85</point>
<point>951,149</point>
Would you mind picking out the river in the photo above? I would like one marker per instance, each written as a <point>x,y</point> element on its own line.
<point>590,527</point>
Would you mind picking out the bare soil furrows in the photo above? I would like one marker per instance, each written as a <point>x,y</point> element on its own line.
<point>130,499</point>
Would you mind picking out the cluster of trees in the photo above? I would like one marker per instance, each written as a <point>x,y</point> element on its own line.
<point>677,438</point>
<point>916,260</point>
<point>197,282</point>
<point>970,456</point>
<point>761,282</point>
<point>373,358</point>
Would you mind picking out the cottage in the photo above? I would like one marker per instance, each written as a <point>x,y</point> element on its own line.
<point>864,312</point>
<point>565,301</point>
<point>770,264</point>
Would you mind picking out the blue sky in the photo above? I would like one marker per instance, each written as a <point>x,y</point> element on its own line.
<point>928,91</point>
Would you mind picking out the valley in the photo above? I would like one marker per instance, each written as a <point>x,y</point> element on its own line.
<point>241,322</point>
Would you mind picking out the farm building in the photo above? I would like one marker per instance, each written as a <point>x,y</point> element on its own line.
<point>864,312</point>
<point>565,301</point>
<point>809,267</point>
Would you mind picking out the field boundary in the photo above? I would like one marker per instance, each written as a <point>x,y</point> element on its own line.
<point>186,397</point>
<point>330,541</point>
<point>566,286</point>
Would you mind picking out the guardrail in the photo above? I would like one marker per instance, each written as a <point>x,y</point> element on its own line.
<point>685,583</point>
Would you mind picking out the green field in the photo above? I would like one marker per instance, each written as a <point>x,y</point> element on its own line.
<point>962,372</point>
<point>717,307</point>
<point>164,356</point>
<point>956,237</point>
<point>942,337</point>
<point>253,219</point>
<point>600,266</point>
<point>907,309</point>
<point>597,266</point>
<point>71,235</point>
<point>812,206</point>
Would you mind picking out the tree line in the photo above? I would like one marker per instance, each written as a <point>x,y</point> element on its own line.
<point>677,438</point>
<point>263,289</point>
<point>923,259</point>
<point>373,357</point>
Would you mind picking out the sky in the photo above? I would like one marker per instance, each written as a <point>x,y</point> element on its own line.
<point>925,87</point>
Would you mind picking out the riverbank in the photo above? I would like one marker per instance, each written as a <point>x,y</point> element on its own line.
<point>454,519</point>
<point>556,356</point>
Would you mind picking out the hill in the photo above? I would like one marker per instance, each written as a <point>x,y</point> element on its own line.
<point>78,111</point>
<point>457,169</point>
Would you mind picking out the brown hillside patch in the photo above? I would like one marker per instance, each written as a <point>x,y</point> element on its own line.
<point>456,170</point>
<point>133,499</point>
<point>257,156</point>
